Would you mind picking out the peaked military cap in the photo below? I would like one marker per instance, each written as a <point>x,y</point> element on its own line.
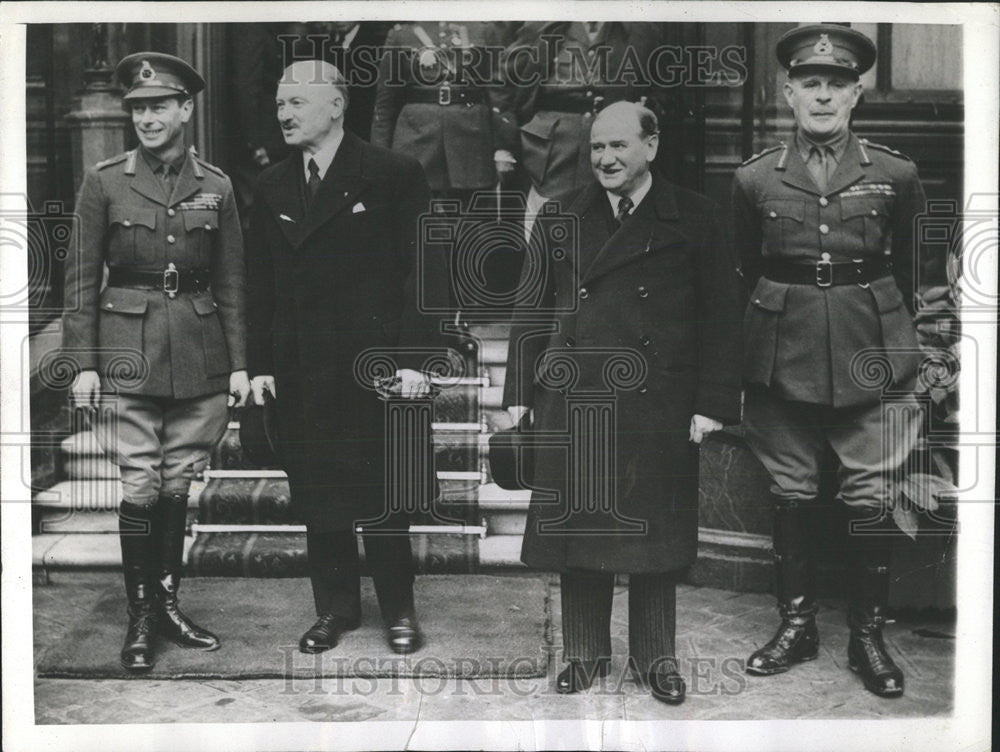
<point>825,48</point>
<point>146,75</point>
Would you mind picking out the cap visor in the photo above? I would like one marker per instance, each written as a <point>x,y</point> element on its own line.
<point>829,68</point>
<point>153,92</point>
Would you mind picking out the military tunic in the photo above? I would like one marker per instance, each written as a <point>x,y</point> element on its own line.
<point>190,342</point>
<point>164,358</point>
<point>800,339</point>
<point>818,360</point>
<point>437,101</point>
<point>557,78</point>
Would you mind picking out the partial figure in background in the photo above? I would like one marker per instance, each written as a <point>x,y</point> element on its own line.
<point>439,100</point>
<point>558,76</point>
<point>165,225</point>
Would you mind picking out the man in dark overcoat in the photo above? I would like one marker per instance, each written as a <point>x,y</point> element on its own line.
<point>160,345</point>
<point>825,228</point>
<point>650,322</point>
<point>332,264</point>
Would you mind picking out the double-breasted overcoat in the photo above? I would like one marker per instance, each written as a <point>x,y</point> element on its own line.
<point>652,309</point>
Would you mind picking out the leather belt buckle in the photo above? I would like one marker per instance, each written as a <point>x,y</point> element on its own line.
<point>824,273</point>
<point>444,94</point>
<point>171,281</point>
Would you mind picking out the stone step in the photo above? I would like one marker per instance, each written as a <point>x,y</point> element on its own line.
<point>493,351</point>
<point>81,552</point>
<point>497,330</point>
<point>95,495</point>
<point>497,373</point>
<point>284,554</point>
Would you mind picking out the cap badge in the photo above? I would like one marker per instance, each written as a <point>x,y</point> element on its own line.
<point>147,71</point>
<point>823,46</point>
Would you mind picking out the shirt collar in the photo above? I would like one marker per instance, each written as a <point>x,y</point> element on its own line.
<point>834,148</point>
<point>156,164</point>
<point>637,195</point>
<point>324,157</point>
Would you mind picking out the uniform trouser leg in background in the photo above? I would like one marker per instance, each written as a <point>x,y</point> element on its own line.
<point>652,621</point>
<point>586,599</point>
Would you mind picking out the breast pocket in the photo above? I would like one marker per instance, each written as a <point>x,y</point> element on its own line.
<point>213,340</point>
<point>782,221</point>
<point>201,227</point>
<point>867,219</point>
<point>131,231</point>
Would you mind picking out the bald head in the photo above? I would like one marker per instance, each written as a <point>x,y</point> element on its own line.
<point>311,99</point>
<point>630,113</point>
<point>623,143</point>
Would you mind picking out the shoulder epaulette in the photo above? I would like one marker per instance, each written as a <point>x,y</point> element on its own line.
<point>113,160</point>
<point>210,167</point>
<point>757,156</point>
<point>881,147</point>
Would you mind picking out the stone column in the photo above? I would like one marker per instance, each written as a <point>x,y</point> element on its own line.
<point>97,122</point>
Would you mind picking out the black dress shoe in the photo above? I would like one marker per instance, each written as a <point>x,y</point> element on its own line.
<point>325,633</point>
<point>404,635</point>
<point>579,675</point>
<point>666,686</point>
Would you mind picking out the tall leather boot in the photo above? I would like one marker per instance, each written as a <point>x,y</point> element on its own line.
<point>138,554</point>
<point>868,600</point>
<point>797,638</point>
<point>174,625</point>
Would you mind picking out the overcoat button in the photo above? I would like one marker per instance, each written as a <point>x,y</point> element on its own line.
<point>570,342</point>
<point>643,292</point>
<point>171,238</point>
<point>824,229</point>
<point>874,212</point>
<point>644,340</point>
<point>823,201</point>
<point>773,215</point>
<point>583,292</point>
<point>170,212</point>
<point>109,305</point>
<point>127,223</point>
<point>208,226</point>
<point>643,389</point>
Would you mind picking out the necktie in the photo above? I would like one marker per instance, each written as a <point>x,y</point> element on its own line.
<point>312,187</point>
<point>820,162</point>
<point>167,176</point>
<point>624,207</point>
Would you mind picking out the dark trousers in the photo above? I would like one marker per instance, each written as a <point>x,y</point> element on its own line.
<point>335,572</point>
<point>652,617</point>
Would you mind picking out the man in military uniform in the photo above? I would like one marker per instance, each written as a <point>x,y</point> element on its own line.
<point>165,225</point>
<point>824,224</point>
<point>555,93</point>
<point>439,100</point>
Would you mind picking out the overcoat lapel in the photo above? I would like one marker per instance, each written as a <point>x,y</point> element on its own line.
<point>341,186</point>
<point>653,226</point>
<point>285,199</point>
<point>796,173</point>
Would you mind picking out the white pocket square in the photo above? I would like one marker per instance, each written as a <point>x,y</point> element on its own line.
<point>358,208</point>
<point>286,218</point>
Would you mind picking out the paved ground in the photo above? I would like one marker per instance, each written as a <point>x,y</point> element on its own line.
<point>717,629</point>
